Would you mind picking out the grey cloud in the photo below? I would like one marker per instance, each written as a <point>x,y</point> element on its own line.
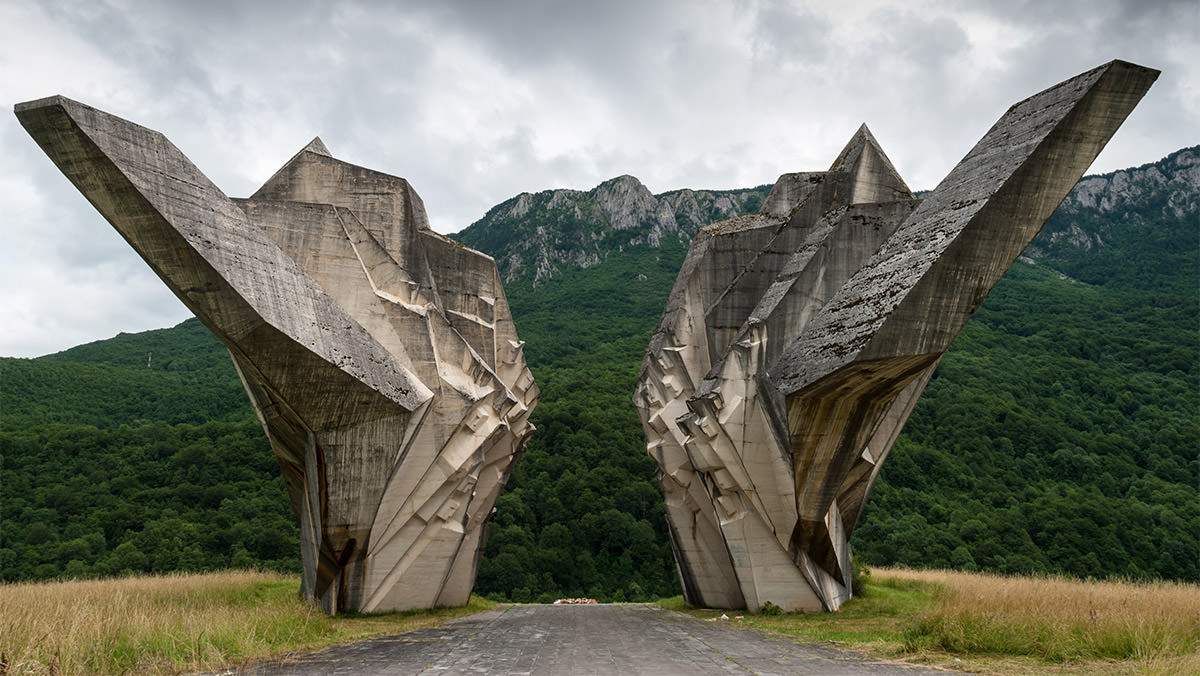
<point>789,36</point>
<point>606,36</point>
<point>474,102</point>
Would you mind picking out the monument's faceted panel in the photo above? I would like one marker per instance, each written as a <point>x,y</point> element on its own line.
<point>797,341</point>
<point>380,356</point>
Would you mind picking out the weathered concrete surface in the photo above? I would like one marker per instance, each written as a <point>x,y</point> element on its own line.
<point>380,356</point>
<point>797,340</point>
<point>594,640</point>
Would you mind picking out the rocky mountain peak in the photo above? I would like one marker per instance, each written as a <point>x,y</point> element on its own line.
<point>1127,227</point>
<point>521,205</point>
<point>624,201</point>
<point>1177,175</point>
<point>537,235</point>
<point>1133,198</point>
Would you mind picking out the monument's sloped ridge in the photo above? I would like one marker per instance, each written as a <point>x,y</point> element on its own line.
<point>381,358</point>
<point>797,341</point>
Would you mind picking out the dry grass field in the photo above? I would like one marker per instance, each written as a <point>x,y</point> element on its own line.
<point>972,622</point>
<point>1116,627</point>
<point>174,624</point>
<point>990,624</point>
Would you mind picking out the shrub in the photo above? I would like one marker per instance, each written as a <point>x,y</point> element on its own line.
<point>769,608</point>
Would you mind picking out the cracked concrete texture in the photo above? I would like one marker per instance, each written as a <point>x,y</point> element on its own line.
<point>593,640</point>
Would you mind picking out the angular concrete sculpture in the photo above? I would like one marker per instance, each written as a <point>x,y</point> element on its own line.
<point>797,340</point>
<point>380,356</point>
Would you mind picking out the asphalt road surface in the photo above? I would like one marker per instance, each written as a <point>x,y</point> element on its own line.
<point>582,640</point>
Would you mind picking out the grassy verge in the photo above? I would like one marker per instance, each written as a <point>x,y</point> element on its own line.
<point>1007,625</point>
<point>176,624</point>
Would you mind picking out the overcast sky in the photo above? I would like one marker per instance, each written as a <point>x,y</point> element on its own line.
<point>475,102</point>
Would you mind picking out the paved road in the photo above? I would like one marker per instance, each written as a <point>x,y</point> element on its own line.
<point>585,640</point>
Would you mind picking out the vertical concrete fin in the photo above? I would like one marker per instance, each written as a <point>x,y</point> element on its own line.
<point>847,308</point>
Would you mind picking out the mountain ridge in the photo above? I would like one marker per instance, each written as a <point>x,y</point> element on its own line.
<point>1118,228</point>
<point>577,228</point>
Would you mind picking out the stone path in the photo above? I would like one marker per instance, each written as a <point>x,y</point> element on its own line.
<point>586,640</point>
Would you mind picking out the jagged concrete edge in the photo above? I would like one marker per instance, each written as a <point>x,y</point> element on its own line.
<point>55,121</point>
<point>855,326</point>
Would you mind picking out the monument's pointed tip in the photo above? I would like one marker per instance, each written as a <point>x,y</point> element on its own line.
<point>862,137</point>
<point>317,146</point>
<point>864,154</point>
<point>864,133</point>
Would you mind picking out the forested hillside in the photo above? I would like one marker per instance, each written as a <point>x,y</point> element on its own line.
<point>1059,434</point>
<point>138,453</point>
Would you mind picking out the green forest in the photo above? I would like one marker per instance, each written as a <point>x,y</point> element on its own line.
<point>1059,434</point>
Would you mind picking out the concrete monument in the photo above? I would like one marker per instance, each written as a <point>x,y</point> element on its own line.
<point>380,356</point>
<point>797,340</point>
